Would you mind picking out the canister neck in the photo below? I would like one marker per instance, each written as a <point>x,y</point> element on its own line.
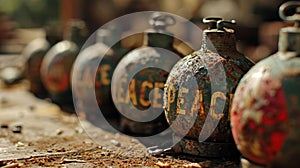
<point>154,39</point>
<point>108,37</point>
<point>289,40</point>
<point>76,32</point>
<point>221,36</point>
<point>223,42</point>
<point>76,37</point>
<point>158,36</point>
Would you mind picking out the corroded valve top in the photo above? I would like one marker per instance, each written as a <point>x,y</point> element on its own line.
<point>160,21</point>
<point>218,24</point>
<point>219,36</point>
<point>212,21</point>
<point>221,25</point>
<point>289,39</point>
<point>76,31</point>
<point>158,36</point>
<point>284,8</point>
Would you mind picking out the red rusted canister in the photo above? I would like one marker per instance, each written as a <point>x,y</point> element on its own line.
<point>199,89</point>
<point>57,64</point>
<point>141,71</point>
<point>266,106</point>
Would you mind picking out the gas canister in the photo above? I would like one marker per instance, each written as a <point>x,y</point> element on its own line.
<point>33,55</point>
<point>199,90</point>
<point>140,77</point>
<point>57,64</point>
<point>266,105</point>
<point>88,68</point>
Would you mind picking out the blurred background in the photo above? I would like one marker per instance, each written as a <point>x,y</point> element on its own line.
<point>24,20</point>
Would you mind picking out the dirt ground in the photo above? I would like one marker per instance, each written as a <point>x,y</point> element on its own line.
<point>36,133</point>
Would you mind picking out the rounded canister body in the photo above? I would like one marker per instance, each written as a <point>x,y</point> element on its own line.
<point>57,65</point>
<point>140,77</point>
<point>90,70</point>
<point>199,90</point>
<point>265,108</point>
<point>33,54</point>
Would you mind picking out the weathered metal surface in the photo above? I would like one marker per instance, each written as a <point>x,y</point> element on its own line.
<point>134,71</point>
<point>140,86</point>
<point>57,64</point>
<point>186,101</point>
<point>56,70</point>
<point>265,108</point>
<point>88,67</point>
<point>205,149</point>
<point>33,54</point>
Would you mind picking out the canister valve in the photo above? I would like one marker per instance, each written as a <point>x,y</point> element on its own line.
<point>221,24</point>
<point>212,22</point>
<point>217,23</point>
<point>160,21</point>
<point>287,7</point>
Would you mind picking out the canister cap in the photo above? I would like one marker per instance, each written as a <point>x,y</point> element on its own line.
<point>159,21</point>
<point>290,7</point>
<point>106,36</point>
<point>212,22</point>
<point>158,36</point>
<point>76,31</point>
<point>289,36</point>
<point>217,24</point>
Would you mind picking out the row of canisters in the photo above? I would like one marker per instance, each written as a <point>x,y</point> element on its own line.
<point>215,99</point>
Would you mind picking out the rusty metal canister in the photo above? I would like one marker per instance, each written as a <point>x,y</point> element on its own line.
<point>88,66</point>
<point>57,64</point>
<point>144,71</point>
<point>199,90</point>
<point>266,105</point>
<point>33,54</point>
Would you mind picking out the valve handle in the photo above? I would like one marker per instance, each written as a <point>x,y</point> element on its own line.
<point>221,24</point>
<point>288,6</point>
<point>212,22</point>
<point>159,21</point>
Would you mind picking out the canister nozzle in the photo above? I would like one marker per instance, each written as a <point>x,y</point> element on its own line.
<point>222,25</point>
<point>212,22</point>
<point>287,7</point>
<point>160,21</point>
<point>216,23</point>
<point>289,36</point>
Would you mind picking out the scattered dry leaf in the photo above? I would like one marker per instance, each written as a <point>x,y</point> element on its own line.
<point>13,165</point>
<point>72,161</point>
<point>192,165</point>
<point>163,165</point>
